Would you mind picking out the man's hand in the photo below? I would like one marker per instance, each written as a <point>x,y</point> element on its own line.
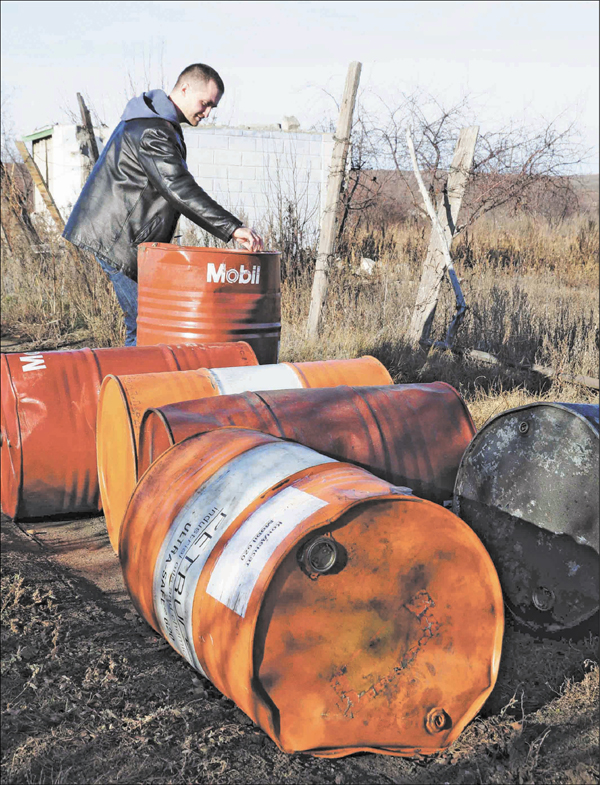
<point>249,239</point>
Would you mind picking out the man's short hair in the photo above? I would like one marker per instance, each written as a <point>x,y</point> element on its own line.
<point>199,72</point>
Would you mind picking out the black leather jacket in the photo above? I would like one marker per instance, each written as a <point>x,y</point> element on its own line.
<point>136,193</point>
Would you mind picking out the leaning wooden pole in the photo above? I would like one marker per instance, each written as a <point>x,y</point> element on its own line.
<point>78,255</point>
<point>88,128</point>
<point>436,260</point>
<point>329,221</point>
<point>40,184</point>
<point>461,306</point>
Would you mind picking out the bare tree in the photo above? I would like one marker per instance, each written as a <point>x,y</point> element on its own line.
<point>516,167</point>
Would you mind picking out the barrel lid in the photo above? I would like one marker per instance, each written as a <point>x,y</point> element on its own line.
<point>10,444</point>
<point>368,634</point>
<point>527,484</point>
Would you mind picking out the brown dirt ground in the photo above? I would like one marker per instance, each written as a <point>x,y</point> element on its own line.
<point>91,694</point>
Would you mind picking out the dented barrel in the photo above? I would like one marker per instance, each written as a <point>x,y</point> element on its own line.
<point>197,295</point>
<point>124,399</point>
<point>408,434</point>
<point>528,486</point>
<point>336,610</point>
<point>48,418</point>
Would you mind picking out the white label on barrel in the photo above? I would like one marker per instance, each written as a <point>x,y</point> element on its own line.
<point>197,528</point>
<point>246,555</point>
<point>256,377</point>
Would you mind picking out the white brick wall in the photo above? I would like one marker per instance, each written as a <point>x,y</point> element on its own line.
<point>251,171</point>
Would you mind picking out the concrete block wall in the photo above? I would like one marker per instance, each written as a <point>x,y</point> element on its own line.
<point>256,172</point>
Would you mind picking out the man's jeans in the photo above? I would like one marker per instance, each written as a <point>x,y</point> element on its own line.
<point>127,295</point>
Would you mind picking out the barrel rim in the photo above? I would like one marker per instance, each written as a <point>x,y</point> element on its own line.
<point>200,249</point>
<point>14,470</point>
<point>142,446</point>
<point>492,421</point>
<point>462,402</point>
<point>563,406</point>
<point>100,443</point>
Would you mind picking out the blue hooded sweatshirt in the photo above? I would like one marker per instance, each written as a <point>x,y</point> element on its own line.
<point>154,103</point>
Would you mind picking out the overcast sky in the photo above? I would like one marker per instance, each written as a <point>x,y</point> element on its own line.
<point>518,59</point>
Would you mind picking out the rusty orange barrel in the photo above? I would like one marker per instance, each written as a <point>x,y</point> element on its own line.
<point>408,434</point>
<point>188,294</point>
<point>123,401</point>
<point>335,609</point>
<point>48,418</point>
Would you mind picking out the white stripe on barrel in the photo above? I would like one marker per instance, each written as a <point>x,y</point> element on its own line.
<point>246,555</point>
<point>257,377</point>
<point>205,517</point>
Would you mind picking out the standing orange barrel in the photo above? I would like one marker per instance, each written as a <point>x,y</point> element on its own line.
<point>48,418</point>
<point>408,434</point>
<point>337,611</point>
<point>188,294</point>
<point>123,401</point>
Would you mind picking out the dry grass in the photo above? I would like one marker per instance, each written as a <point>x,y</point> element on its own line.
<point>534,302</point>
<point>51,294</point>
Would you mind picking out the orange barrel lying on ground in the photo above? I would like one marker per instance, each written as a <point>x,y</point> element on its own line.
<point>188,294</point>
<point>407,434</point>
<point>123,401</point>
<point>339,612</point>
<point>48,418</point>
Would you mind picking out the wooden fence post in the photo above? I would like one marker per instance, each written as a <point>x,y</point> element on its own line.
<point>327,235</point>
<point>435,261</point>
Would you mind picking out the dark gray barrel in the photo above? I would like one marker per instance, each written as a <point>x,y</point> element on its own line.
<point>528,486</point>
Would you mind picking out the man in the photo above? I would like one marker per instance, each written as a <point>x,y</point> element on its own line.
<point>141,185</point>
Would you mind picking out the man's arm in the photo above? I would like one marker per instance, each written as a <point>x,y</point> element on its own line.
<point>161,160</point>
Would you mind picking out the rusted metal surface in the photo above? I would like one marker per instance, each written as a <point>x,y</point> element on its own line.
<point>48,418</point>
<point>124,399</point>
<point>408,434</point>
<point>188,294</point>
<point>335,609</point>
<point>528,485</point>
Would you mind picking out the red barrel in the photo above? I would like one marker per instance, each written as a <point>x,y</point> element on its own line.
<point>48,418</point>
<point>408,434</point>
<point>339,612</point>
<point>188,294</point>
